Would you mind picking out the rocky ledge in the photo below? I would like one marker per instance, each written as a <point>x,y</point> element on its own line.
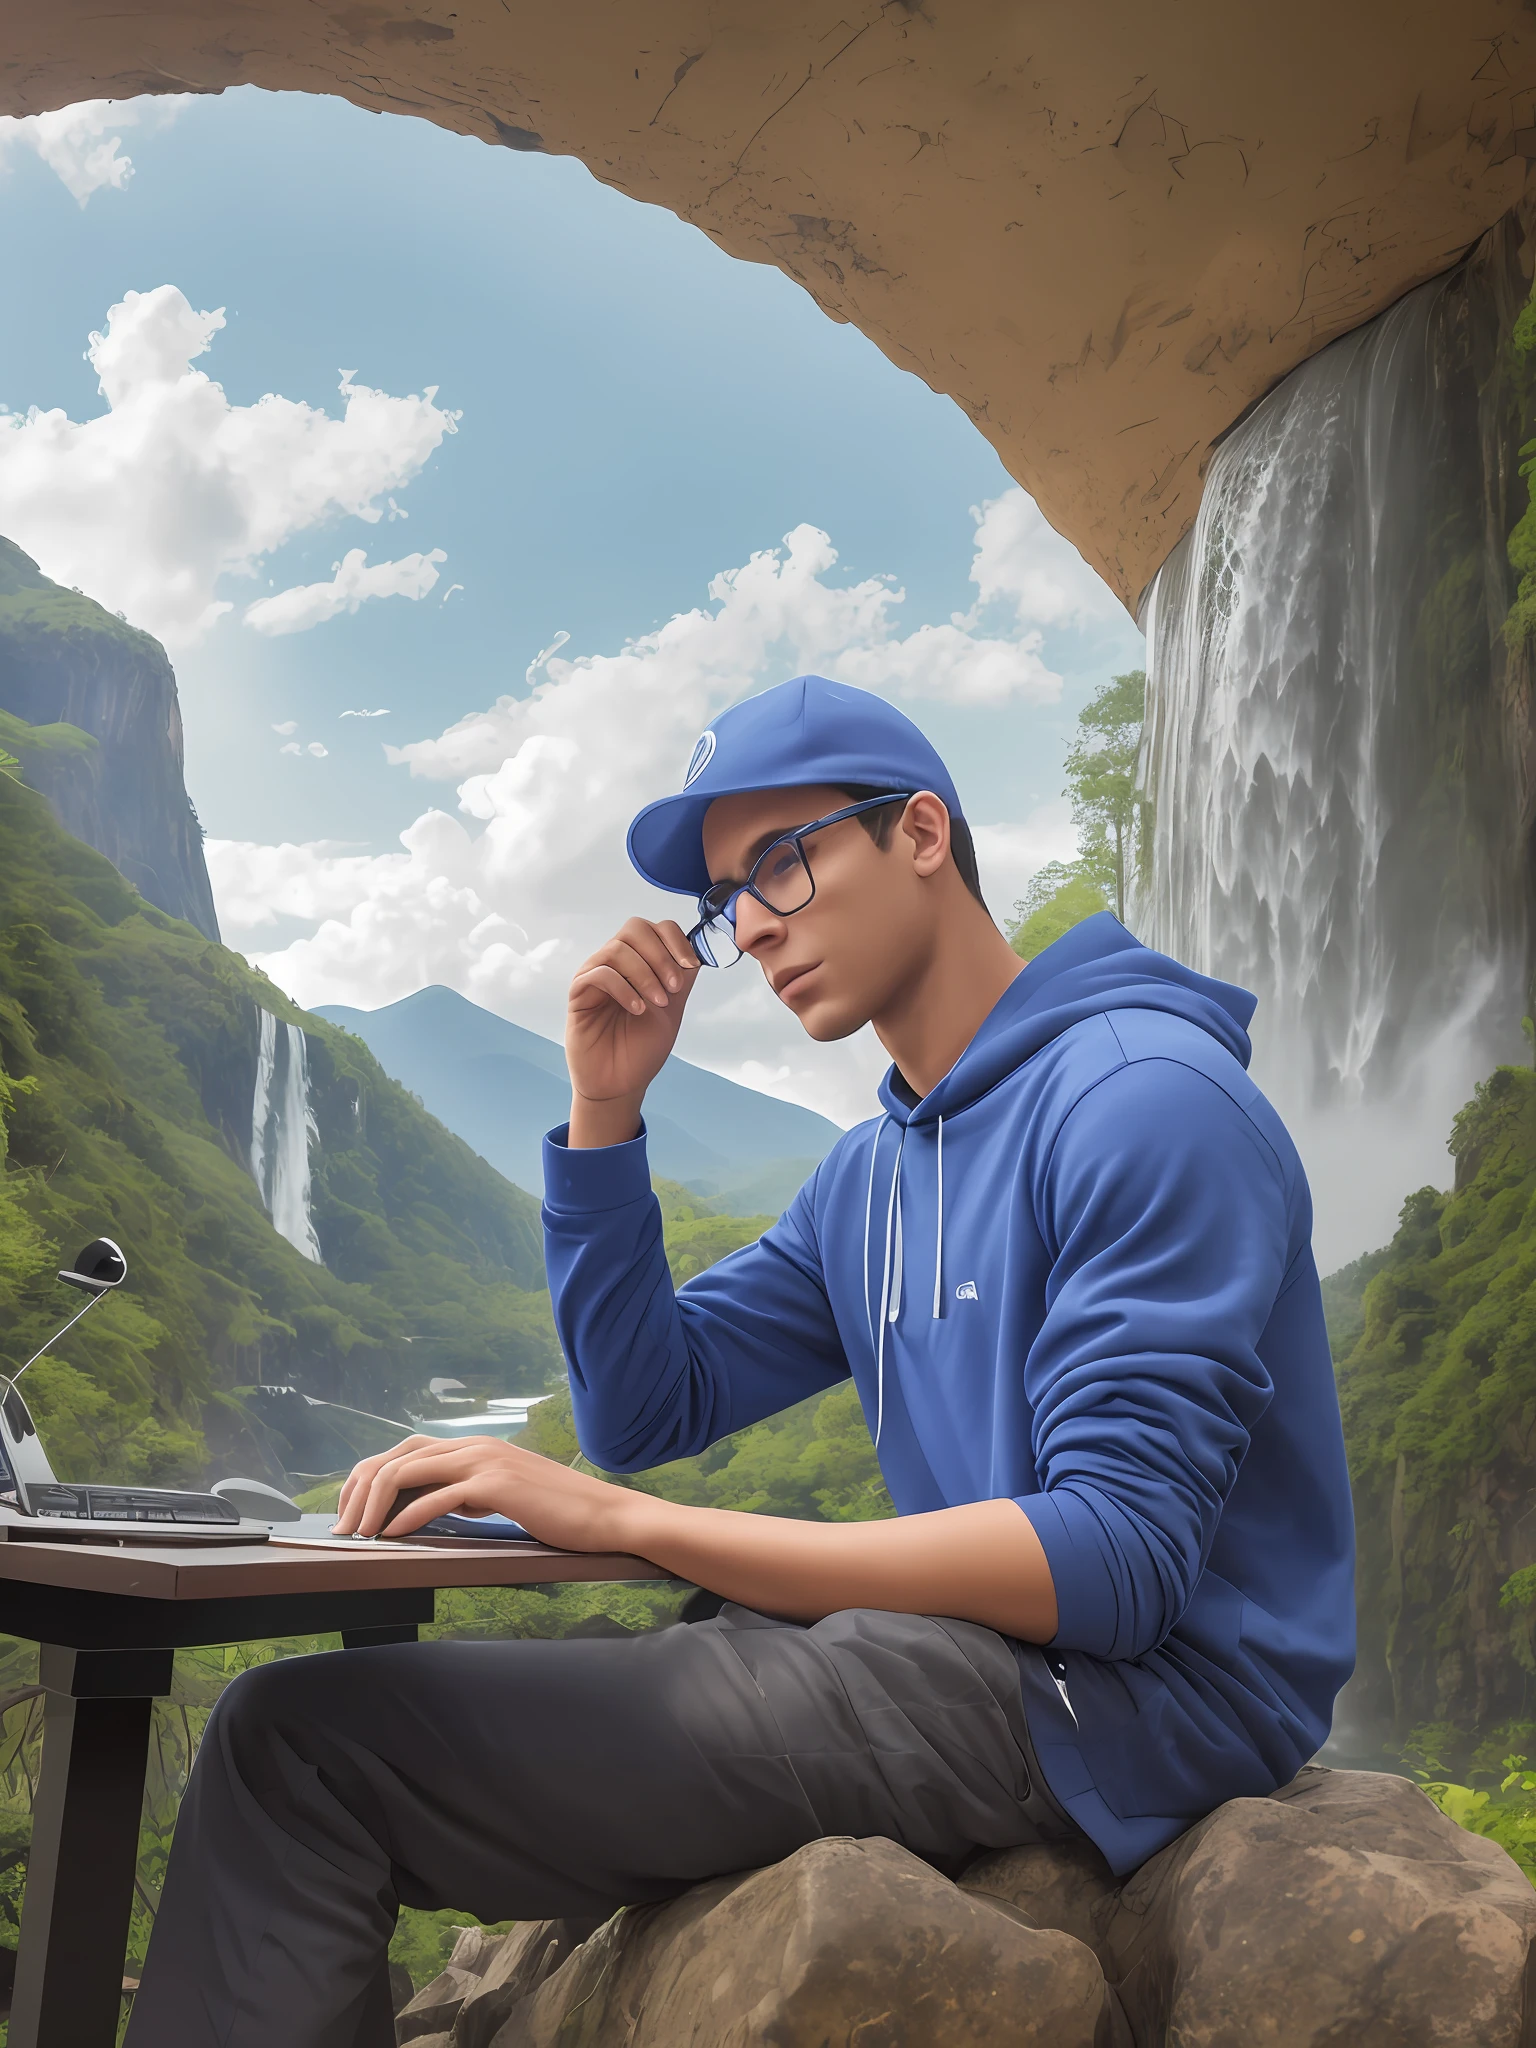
<point>1344,1910</point>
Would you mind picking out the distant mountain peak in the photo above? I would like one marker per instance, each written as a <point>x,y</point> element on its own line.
<point>500,1086</point>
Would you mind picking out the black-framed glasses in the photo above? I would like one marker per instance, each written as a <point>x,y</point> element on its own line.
<point>780,879</point>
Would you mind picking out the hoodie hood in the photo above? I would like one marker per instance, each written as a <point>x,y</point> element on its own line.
<point>1095,967</point>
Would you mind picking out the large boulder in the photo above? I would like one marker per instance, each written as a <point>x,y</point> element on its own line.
<point>844,1941</point>
<point>1344,1912</point>
<point>1345,1909</point>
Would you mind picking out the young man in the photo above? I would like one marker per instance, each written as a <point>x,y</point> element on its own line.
<point>1069,1269</point>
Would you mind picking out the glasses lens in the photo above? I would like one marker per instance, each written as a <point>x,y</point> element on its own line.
<point>721,934</point>
<point>715,943</point>
<point>782,878</point>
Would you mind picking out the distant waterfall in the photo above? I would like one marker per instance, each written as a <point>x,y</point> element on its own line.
<point>282,1126</point>
<point>1336,823</point>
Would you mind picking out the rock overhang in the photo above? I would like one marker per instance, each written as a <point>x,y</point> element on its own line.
<point>1104,231</point>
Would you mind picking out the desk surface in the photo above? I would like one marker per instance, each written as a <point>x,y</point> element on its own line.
<point>238,1571</point>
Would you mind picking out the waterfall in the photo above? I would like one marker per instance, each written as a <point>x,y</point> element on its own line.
<point>261,1101</point>
<point>1335,813</point>
<point>282,1127</point>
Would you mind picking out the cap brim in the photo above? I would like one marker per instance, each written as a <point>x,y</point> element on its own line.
<point>666,840</point>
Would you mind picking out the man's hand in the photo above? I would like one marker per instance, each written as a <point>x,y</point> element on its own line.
<point>481,1475</point>
<point>622,1019</point>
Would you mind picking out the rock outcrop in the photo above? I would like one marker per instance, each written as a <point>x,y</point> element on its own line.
<point>1105,230</point>
<point>71,668</point>
<point>1345,1910</point>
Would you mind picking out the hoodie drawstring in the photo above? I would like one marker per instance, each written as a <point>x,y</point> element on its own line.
<point>888,1308</point>
<point>869,1202</point>
<point>891,1265</point>
<point>938,1242</point>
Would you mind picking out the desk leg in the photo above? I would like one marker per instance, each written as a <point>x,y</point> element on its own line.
<point>85,1838</point>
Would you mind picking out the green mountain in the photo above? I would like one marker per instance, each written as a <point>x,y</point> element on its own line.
<point>128,1064</point>
<point>1435,1339</point>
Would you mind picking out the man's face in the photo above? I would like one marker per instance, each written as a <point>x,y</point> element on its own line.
<point>839,961</point>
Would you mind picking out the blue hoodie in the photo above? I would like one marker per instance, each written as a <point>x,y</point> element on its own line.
<point>1079,1275</point>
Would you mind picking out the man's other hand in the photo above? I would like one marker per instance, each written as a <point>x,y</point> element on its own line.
<point>622,1018</point>
<point>481,1475</point>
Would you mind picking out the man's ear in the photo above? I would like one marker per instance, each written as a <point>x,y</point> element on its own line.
<point>925,821</point>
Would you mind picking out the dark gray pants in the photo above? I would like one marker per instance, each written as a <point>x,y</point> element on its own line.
<point>533,1780</point>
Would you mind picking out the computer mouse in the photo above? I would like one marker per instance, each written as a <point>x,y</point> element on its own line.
<point>406,1496</point>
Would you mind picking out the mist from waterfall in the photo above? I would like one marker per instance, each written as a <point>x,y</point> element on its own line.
<point>282,1127</point>
<point>1322,750</point>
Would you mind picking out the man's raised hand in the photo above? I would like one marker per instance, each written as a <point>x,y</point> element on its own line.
<point>622,1018</point>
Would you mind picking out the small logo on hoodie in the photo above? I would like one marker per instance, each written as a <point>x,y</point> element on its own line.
<point>703,753</point>
<point>966,1291</point>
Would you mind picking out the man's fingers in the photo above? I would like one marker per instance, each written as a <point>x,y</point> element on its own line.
<point>675,940</point>
<point>362,1472</point>
<point>605,984</point>
<point>361,1478</point>
<point>649,969</point>
<point>651,942</point>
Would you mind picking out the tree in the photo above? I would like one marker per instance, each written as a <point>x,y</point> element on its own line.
<point>1111,815</point>
<point>1107,807</point>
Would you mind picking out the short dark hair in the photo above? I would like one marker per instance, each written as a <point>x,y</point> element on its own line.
<point>882,823</point>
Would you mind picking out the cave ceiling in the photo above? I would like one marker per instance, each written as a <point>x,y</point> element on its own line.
<point>1103,229</point>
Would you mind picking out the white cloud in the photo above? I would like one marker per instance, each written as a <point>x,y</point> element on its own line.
<point>153,503</point>
<point>1023,562</point>
<point>352,583</point>
<point>505,899</point>
<point>363,714</point>
<point>288,727</point>
<point>80,144</point>
<point>317,750</point>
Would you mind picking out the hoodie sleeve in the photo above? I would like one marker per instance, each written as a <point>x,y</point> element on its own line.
<point>1166,1214</point>
<point>658,1374</point>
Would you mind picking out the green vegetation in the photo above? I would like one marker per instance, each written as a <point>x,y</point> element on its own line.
<point>1111,816</point>
<point>1499,1801</point>
<point>127,1051</point>
<point>35,610</point>
<point>1057,898</point>
<point>1520,623</point>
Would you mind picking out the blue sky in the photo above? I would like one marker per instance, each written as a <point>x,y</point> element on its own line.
<point>638,412</point>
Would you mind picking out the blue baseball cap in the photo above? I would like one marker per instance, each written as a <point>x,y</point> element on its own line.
<point>804,731</point>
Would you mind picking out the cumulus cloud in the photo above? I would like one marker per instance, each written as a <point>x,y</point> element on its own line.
<point>153,503</point>
<point>779,614</point>
<point>363,714</point>
<point>353,582</point>
<point>1024,563</point>
<point>504,899</point>
<point>81,144</point>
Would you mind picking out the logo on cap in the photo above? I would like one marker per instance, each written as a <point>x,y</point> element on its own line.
<point>699,760</point>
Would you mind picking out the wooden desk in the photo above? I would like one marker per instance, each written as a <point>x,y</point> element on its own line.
<point>107,1621</point>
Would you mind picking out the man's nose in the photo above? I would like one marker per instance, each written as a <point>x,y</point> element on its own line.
<point>755,922</point>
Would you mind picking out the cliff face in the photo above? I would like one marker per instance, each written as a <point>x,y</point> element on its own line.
<point>1436,1341</point>
<point>66,661</point>
<point>1104,230</point>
